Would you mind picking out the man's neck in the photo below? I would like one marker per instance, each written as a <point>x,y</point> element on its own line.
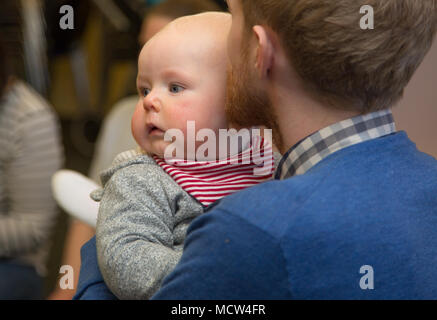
<point>299,115</point>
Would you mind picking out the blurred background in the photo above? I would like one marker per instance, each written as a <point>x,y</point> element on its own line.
<point>85,71</point>
<point>82,72</point>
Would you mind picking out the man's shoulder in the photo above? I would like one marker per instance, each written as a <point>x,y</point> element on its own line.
<point>272,207</point>
<point>350,186</point>
<point>369,205</point>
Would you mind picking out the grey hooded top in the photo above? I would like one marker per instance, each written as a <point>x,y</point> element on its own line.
<point>141,226</point>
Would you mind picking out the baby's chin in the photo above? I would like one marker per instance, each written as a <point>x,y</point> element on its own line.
<point>155,152</point>
<point>151,149</point>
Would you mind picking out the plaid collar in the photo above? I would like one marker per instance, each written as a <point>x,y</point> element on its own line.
<point>311,150</point>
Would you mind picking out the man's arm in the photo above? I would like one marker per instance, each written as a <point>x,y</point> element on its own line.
<point>225,257</point>
<point>91,285</point>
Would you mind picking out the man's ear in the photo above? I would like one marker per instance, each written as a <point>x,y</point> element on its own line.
<point>265,51</point>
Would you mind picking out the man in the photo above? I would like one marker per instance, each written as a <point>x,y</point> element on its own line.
<point>353,212</point>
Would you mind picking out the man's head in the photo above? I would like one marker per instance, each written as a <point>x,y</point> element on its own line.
<point>338,64</point>
<point>181,78</point>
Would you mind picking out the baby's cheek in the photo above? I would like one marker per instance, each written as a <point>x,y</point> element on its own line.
<point>205,112</point>
<point>213,121</point>
<point>214,115</point>
<point>180,117</point>
<point>138,126</point>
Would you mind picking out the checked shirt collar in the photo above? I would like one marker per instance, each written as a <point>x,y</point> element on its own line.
<point>311,150</point>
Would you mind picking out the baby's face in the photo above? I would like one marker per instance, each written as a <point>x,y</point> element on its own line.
<point>180,79</point>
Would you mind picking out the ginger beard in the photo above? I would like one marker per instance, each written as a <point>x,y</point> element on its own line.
<point>248,105</point>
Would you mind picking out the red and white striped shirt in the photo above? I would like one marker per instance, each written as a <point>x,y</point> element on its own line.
<point>209,181</point>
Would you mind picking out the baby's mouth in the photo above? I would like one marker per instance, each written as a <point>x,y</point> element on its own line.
<point>153,130</point>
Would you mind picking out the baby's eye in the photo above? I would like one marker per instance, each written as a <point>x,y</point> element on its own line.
<point>145,92</point>
<point>174,88</point>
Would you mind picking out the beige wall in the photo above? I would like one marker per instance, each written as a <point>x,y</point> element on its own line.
<point>417,111</point>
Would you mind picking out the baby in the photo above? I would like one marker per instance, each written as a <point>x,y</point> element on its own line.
<point>147,203</point>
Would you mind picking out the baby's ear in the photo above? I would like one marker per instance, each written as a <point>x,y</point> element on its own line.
<point>265,51</point>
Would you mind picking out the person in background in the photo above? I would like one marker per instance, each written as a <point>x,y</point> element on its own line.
<point>115,136</point>
<point>30,153</point>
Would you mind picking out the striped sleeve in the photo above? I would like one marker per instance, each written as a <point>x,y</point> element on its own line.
<point>37,154</point>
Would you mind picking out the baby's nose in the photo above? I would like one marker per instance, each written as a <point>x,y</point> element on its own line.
<point>151,103</point>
